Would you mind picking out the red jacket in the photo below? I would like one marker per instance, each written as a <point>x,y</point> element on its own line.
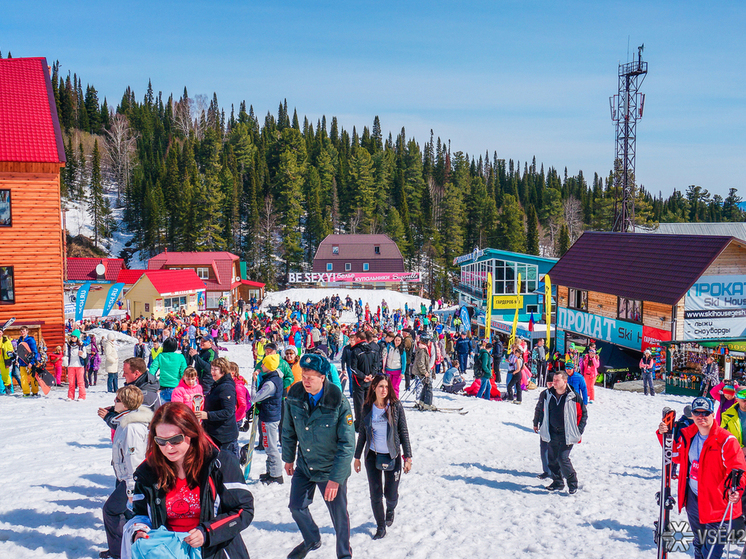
<point>720,454</point>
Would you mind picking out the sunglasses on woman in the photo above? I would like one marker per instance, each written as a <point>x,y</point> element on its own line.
<point>173,441</point>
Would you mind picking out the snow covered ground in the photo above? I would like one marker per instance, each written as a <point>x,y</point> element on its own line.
<point>472,492</point>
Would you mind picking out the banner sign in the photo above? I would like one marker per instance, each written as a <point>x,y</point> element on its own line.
<point>617,332</point>
<point>715,307</point>
<point>507,301</point>
<point>511,340</point>
<point>548,306</point>
<point>329,277</point>
<point>468,257</point>
<point>114,292</point>
<point>488,320</point>
<point>81,298</point>
<point>465,321</point>
<point>654,336</point>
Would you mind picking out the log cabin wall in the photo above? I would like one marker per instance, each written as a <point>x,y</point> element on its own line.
<point>33,246</point>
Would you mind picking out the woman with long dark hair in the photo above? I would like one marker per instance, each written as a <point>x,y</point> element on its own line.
<point>383,432</point>
<point>188,485</point>
<point>219,414</point>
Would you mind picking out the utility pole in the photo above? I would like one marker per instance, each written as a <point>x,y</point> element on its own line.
<point>626,109</point>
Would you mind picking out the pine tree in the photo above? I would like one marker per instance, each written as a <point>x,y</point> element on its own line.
<point>362,184</point>
<point>98,208</point>
<point>563,241</point>
<point>511,228</point>
<point>290,178</point>
<point>532,231</point>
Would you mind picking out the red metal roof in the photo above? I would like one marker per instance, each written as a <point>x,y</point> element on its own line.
<point>84,269</point>
<point>252,283</point>
<point>221,263</point>
<point>129,277</point>
<point>29,127</point>
<point>174,281</point>
<point>657,268</point>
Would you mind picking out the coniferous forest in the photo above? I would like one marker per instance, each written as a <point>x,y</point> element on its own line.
<point>191,175</point>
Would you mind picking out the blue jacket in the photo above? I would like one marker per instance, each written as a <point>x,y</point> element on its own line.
<point>34,350</point>
<point>577,382</point>
<point>463,346</point>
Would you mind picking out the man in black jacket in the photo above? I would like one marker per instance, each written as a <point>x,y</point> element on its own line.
<point>375,348</point>
<point>201,361</point>
<point>497,357</point>
<point>362,367</point>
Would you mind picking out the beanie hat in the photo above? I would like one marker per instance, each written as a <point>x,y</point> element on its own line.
<point>271,362</point>
<point>315,362</point>
<point>75,333</point>
<point>728,390</point>
<point>741,395</point>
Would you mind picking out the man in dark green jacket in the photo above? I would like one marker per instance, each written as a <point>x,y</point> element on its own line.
<point>485,370</point>
<point>318,425</point>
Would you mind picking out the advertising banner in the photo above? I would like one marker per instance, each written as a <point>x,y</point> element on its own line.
<point>654,336</point>
<point>618,332</point>
<point>114,292</point>
<point>488,320</point>
<point>330,277</point>
<point>511,340</point>
<point>81,298</point>
<point>715,307</point>
<point>548,305</point>
<point>506,301</point>
<point>465,320</point>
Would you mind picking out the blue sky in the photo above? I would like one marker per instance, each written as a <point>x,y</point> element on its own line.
<point>523,78</point>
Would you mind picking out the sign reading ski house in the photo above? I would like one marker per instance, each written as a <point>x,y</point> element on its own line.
<point>635,291</point>
<point>357,259</point>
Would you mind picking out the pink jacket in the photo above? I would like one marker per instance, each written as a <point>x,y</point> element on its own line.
<point>242,399</point>
<point>184,393</point>
<point>590,365</point>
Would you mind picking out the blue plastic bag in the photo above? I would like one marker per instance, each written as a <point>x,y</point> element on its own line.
<point>164,544</point>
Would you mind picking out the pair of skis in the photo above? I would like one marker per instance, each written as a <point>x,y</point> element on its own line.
<point>665,499</point>
<point>459,411</point>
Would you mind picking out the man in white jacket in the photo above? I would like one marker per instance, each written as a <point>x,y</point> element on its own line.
<point>127,453</point>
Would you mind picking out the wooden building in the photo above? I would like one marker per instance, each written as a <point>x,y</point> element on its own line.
<point>31,156</point>
<point>358,254</point>
<point>220,272</point>
<point>160,292</point>
<point>633,291</point>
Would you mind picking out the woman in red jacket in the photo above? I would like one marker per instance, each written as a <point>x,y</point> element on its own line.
<point>707,454</point>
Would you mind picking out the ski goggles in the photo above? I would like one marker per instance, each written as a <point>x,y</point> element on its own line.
<point>173,441</point>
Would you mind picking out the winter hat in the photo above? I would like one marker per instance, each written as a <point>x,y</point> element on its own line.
<point>728,390</point>
<point>271,346</point>
<point>741,394</point>
<point>271,362</point>
<point>315,362</point>
<point>703,404</point>
<point>76,333</point>
<point>292,348</point>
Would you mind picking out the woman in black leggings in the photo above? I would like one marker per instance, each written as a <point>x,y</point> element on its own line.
<point>383,432</point>
<point>517,369</point>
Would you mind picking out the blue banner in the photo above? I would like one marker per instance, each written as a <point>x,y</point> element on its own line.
<point>626,334</point>
<point>465,320</point>
<point>80,298</point>
<point>111,298</point>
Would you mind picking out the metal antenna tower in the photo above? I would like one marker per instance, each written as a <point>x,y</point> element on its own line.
<point>626,109</point>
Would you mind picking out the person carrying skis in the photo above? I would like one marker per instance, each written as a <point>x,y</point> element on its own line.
<point>707,455</point>
<point>422,371</point>
<point>28,379</point>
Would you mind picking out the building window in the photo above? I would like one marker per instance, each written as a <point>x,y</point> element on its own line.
<point>5,220</point>
<point>505,277</point>
<point>335,249</point>
<point>329,266</point>
<point>377,249</point>
<point>577,299</point>
<point>7,292</point>
<point>348,267</point>
<point>366,266</point>
<point>629,309</point>
<point>203,273</point>
<point>532,309</point>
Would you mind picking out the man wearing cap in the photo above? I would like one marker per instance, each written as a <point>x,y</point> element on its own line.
<point>201,361</point>
<point>28,379</point>
<point>318,432</point>
<point>707,454</point>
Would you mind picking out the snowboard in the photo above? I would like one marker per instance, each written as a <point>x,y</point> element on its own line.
<point>8,323</point>
<point>24,353</point>
<point>665,499</point>
<point>247,451</point>
<point>44,378</point>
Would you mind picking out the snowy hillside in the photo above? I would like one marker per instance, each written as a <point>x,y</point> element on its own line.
<point>472,492</point>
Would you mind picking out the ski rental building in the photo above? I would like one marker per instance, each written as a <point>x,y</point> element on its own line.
<point>31,156</point>
<point>681,296</point>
